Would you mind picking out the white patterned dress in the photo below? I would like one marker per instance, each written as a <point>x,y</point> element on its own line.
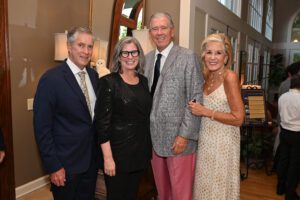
<point>217,174</point>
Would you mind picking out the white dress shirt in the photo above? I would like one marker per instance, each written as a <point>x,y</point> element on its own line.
<point>164,56</point>
<point>289,110</point>
<point>92,95</point>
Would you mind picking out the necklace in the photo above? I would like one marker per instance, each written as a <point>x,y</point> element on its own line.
<point>214,80</point>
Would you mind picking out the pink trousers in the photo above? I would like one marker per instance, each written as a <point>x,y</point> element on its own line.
<point>174,176</point>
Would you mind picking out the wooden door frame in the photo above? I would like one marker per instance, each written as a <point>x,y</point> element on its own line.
<point>7,178</point>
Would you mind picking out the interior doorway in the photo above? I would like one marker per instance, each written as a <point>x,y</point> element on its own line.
<point>7,179</point>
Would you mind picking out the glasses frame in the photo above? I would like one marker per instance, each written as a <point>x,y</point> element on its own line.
<point>134,53</point>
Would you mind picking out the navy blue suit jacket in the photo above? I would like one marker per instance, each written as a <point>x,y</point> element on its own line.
<point>63,127</point>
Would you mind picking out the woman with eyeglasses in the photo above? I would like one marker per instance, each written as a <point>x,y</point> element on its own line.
<point>218,159</point>
<point>122,120</point>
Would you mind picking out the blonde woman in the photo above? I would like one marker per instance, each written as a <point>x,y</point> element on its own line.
<point>217,168</point>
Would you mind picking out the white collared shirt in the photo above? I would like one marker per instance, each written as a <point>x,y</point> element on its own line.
<point>92,95</point>
<point>289,110</point>
<point>164,54</point>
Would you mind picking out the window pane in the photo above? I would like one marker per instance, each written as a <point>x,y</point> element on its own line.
<point>233,5</point>
<point>127,7</point>
<point>140,20</point>
<point>255,14</point>
<point>123,32</point>
<point>296,30</point>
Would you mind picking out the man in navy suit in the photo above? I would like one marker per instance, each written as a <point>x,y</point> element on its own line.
<point>63,121</point>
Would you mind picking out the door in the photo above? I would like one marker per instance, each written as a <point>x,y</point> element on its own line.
<point>7,179</point>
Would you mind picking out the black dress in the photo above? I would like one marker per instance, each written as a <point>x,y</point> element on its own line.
<point>122,114</point>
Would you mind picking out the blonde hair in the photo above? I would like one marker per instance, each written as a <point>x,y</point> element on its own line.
<point>221,38</point>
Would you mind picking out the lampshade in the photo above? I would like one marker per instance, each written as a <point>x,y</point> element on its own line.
<point>96,50</point>
<point>99,50</point>
<point>144,38</point>
<point>61,51</point>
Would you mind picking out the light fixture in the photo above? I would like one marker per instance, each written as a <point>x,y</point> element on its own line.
<point>144,38</point>
<point>99,51</point>
<point>61,51</point>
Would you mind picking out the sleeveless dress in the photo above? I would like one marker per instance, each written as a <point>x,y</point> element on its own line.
<point>217,175</point>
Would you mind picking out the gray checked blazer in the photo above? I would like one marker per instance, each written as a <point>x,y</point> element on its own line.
<point>180,81</point>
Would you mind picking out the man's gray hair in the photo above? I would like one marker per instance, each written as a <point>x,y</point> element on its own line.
<point>72,33</point>
<point>162,14</point>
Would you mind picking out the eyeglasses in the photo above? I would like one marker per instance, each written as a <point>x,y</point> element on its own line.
<point>134,53</point>
<point>161,28</point>
<point>215,53</point>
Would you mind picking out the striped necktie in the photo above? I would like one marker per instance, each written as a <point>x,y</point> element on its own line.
<point>85,89</point>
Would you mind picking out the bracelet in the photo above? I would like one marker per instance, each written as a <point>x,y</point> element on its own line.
<point>213,115</point>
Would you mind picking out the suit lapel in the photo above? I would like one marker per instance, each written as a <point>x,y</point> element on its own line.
<point>71,80</point>
<point>167,66</point>
<point>150,68</point>
<point>169,61</point>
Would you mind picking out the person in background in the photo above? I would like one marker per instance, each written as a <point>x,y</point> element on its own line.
<point>63,121</point>
<point>288,170</point>
<point>2,152</point>
<point>175,79</point>
<point>122,120</point>
<point>292,70</point>
<point>218,158</point>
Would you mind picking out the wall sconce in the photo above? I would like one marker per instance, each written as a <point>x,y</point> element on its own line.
<point>61,51</point>
<point>144,38</point>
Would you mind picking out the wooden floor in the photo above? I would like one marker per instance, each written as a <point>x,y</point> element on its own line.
<point>258,186</point>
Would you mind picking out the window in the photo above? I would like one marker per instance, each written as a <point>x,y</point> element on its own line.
<point>249,63</point>
<point>255,12</point>
<point>266,69</point>
<point>269,20</point>
<point>233,5</point>
<point>296,30</point>
<point>234,39</point>
<point>253,70</point>
<point>255,65</point>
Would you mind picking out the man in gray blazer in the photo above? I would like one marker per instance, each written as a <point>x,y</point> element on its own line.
<point>174,78</point>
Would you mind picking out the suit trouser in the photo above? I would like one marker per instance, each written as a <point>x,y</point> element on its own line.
<point>289,161</point>
<point>174,176</point>
<point>77,186</point>
<point>124,185</point>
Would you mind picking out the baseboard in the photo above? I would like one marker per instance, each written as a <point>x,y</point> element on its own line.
<point>31,186</point>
